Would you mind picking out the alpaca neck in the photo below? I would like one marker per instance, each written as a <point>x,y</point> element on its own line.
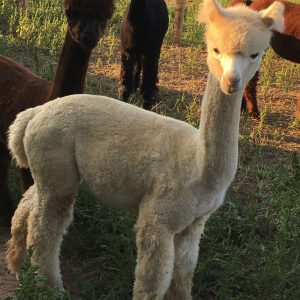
<point>137,3</point>
<point>218,135</point>
<point>71,70</point>
<point>137,10</point>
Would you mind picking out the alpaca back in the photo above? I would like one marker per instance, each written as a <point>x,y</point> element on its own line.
<point>104,132</point>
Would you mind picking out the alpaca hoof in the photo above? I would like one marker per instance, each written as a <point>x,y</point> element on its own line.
<point>254,115</point>
<point>61,289</point>
<point>124,94</point>
<point>149,103</point>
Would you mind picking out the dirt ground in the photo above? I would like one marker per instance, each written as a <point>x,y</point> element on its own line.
<point>8,282</point>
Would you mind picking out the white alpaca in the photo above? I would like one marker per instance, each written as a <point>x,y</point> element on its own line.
<point>172,174</point>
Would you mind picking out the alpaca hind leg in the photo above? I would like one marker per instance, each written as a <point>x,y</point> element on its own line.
<point>155,258</point>
<point>56,180</point>
<point>149,89</point>
<point>16,246</point>
<point>137,72</point>
<point>126,89</point>
<point>6,204</point>
<point>46,225</point>
<point>186,256</point>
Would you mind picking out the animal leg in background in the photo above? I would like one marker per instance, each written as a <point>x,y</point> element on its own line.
<point>128,61</point>
<point>16,247</point>
<point>137,72</point>
<point>149,90</point>
<point>250,97</point>
<point>6,204</point>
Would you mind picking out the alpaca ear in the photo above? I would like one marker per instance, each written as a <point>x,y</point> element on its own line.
<point>273,17</point>
<point>209,11</point>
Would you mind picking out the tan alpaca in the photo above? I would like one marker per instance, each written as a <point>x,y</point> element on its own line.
<point>172,174</point>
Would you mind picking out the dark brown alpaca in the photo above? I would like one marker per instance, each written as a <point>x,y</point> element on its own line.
<point>286,45</point>
<point>21,89</point>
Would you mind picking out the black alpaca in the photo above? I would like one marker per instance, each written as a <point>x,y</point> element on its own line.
<point>143,28</point>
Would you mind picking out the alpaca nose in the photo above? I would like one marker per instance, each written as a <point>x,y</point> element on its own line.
<point>233,80</point>
<point>89,38</point>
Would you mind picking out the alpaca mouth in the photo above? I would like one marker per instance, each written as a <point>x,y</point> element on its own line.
<point>88,43</point>
<point>88,40</point>
<point>232,90</point>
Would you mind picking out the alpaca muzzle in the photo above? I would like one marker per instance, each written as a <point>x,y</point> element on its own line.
<point>89,37</point>
<point>232,83</point>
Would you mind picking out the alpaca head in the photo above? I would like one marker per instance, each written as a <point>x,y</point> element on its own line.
<point>87,20</point>
<point>237,38</point>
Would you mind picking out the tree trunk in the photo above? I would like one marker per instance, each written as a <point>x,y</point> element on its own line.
<point>179,18</point>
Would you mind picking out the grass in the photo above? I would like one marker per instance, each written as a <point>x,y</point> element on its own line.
<point>250,249</point>
<point>33,286</point>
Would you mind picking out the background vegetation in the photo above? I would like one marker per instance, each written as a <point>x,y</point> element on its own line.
<point>250,249</point>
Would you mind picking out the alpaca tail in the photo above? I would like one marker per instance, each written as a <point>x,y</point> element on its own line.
<point>16,133</point>
<point>16,246</point>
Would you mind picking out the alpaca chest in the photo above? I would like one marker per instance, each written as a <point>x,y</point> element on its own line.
<point>208,197</point>
<point>213,183</point>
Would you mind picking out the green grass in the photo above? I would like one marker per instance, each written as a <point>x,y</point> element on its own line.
<point>33,286</point>
<point>250,249</point>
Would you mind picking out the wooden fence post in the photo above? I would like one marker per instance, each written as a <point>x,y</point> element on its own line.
<point>179,18</point>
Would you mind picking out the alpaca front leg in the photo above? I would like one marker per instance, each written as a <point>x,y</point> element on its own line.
<point>137,72</point>
<point>155,260</point>
<point>126,76</point>
<point>149,89</point>
<point>16,246</point>
<point>47,223</point>
<point>186,256</point>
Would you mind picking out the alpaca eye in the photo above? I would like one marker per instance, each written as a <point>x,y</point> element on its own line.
<point>216,50</point>
<point>253,56</point>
